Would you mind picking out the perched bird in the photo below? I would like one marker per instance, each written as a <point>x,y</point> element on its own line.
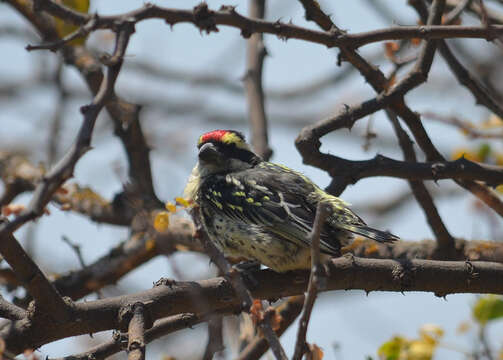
<point>261,211</point>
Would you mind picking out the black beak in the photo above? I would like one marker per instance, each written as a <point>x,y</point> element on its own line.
<point>209,153</point>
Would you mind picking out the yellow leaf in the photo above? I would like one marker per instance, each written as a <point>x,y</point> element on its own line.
<point>180,247</point>
<point>63,28</point>
<point>170,207</point>
<point>463,327</point>
<point>431,332</point>
<point>315,353</point>
<point>420,350</point>
<point>493,121</point>
<point>467,154</point>
<point>150,244</point>
<point>184,202</point>
<point>391,349</point>
<point>488,307</point>
<point>161,221</point>
<point>499,159</point>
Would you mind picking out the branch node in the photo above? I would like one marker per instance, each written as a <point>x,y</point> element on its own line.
<point>165,282</point>
<point>204,18</point>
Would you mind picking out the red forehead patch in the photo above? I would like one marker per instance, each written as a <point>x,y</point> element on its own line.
<point>215,135</point>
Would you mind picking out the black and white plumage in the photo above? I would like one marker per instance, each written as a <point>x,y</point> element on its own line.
<point>264,211</point>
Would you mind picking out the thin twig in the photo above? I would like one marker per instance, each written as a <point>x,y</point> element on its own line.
<point>465,77</point>
<point>38,285</point>
<point>215,342</point>
<point>207,20</point>
<point>11,311</point>
<point>486,348</point>
<point>255,54</point>
<point>288,311</point>
<point>63,170</point>
<point>76,250</point>
<point>136,347</point>
<point>422,195</point>
<point>468,128</point>
<point>315,279</point>
<point>161,328</point>
<point>455,13</point>
<point>43,291</point>
<point>238,284</point>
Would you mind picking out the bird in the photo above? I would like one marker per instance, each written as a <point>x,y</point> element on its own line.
<point>262,211</point>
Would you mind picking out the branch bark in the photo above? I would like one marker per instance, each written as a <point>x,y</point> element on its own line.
<point>347,272</point>
<point>255,54</point>
<point>207,20</point>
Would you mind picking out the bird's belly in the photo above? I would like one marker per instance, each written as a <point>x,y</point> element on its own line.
<point>240,239</point>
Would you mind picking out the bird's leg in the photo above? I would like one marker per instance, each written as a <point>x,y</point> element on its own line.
<point>246,268</point>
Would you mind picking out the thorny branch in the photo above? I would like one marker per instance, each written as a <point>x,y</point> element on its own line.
<point>288,312</point>
<point>422,195</point>
<point>256,52</point>
<point>178,301</point>
<point>207,20</point>
<point>347,272</point>
<point>308,142</point>
<point>136,332</point>
<point>316,280</point>
<point>239,286</point>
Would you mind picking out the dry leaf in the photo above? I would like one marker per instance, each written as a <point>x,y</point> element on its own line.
<point>161,221</point>
<point>12,209</point>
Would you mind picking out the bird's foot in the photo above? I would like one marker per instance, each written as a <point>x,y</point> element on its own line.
<point>246,270</point>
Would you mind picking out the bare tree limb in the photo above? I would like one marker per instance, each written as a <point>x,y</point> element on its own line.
<point>11,311</point>
<point>465,77</point>
<point>422,195</point>
<point>316,280</point>
<point>207,20</point>
<point>63,170</point>
<point>161,328</point>
<point>255,54</point>
<point>215,342</point>
<point>465,126</point>
<point>347,272</point>
<point>308,140</point>
<point>43,291</point>
<point>136,333</point>
<point>288,312</point>
<point>239,286</point>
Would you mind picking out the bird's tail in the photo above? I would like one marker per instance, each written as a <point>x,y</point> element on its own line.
<point>368,232</point>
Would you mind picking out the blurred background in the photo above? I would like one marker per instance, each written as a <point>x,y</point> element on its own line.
<point>189,83</point>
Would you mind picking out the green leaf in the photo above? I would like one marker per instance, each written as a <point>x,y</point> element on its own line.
<point>390,350</point>
<point>483,152</point>
<point>487,308</point>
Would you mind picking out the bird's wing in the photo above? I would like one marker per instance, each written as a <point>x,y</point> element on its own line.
<point>265,200</point>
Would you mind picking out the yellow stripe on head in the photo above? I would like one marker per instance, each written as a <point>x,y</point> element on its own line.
<point>234,138</point>
<point>228,137</point>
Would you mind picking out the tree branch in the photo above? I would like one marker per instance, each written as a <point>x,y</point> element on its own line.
<point>161,328</point>
<point>308,140</point>
<point>11,311</point>
<point>207,20</point>
<point>136,333</point>
<point>48,300</point>
<point>347,272</point>
<point>238,284</point>
<point>288,312</point>
<point>422,195</point>
<point>255,54</point>
<point>465,77</point>
<point>316,280</point>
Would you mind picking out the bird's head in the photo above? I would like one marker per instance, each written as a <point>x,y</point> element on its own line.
<point>223,151</point>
